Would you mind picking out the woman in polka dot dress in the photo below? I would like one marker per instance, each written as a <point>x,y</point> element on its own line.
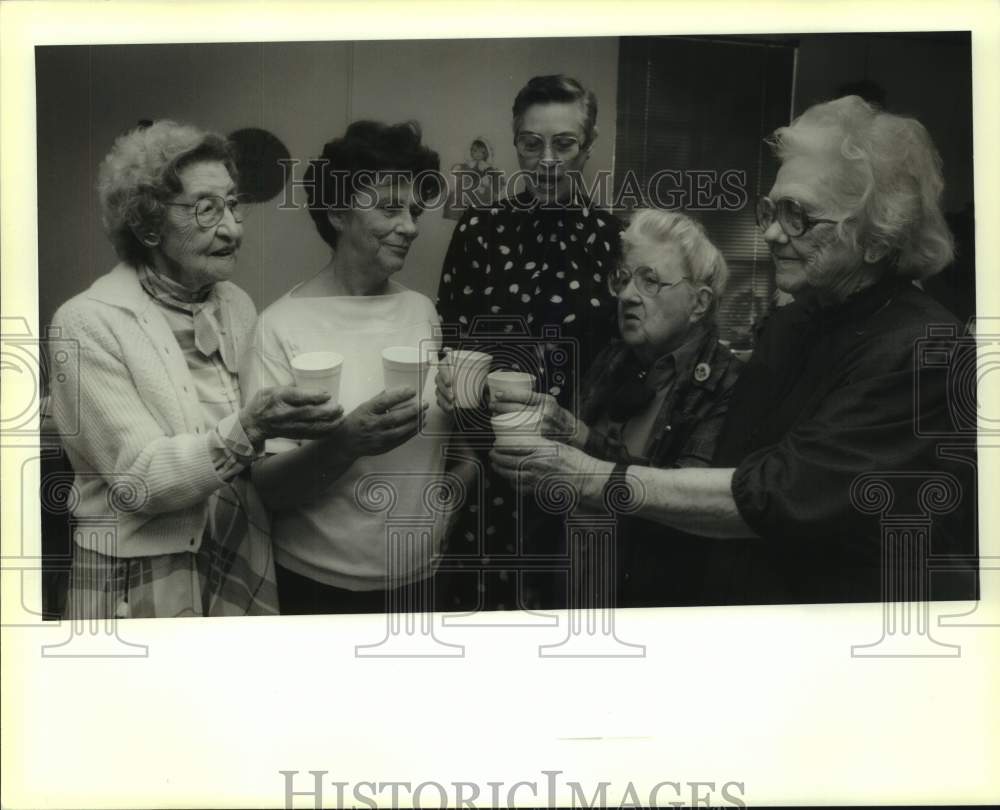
<point>525,281</point>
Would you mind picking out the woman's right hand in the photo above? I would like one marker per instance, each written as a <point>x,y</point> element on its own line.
<point>289,412</point>
<point>382,423</point>
<point>557,422</point>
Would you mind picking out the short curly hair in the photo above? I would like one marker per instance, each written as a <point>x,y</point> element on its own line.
<point>885,173</point>
<point>557,89</point>
<point>367,148</point>
<point>141,173</point>
<point>706,265</point>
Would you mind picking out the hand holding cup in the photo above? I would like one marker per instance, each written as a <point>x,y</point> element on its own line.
<point>289,412</point>
<point>382,423</point>
<point>554,420</point>
<point>461,377</point>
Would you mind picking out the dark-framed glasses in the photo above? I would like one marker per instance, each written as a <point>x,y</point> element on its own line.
<point>791,216</point>
<point>564,147</point>
<point>647,282</point>
<point>208,211</point>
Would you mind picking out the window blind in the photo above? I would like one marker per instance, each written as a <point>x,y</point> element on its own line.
<point>694,113</point>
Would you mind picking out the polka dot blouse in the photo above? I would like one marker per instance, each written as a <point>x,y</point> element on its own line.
<point>534,267</point>
<point>517,269</point>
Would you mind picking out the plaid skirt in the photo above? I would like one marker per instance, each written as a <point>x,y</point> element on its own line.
<point>232,574</point>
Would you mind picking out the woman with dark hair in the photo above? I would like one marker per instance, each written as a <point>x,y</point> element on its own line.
<point>531,271</point>
<point>163,442</point>
<point>541,256</point>
<point>367,191</point>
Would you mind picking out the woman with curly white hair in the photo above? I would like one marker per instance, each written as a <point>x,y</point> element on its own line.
<point>831,392</point>
<point>157,398</point>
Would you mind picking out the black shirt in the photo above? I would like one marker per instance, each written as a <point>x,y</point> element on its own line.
<point>836,408</point>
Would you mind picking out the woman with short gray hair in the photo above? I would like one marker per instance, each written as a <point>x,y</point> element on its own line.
<point>705,264</point>
<point>658,396</point>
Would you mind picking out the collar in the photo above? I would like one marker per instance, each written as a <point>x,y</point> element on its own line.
<point>121,288</point>
<point>857,306</point>
<point>170,292</point>
<point>524,201</point>
<point>680,362</point>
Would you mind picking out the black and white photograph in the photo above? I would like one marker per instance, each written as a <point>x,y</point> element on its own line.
<point>659,356</point>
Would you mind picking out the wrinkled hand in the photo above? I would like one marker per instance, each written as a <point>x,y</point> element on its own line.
<point>289,412</point>
<point>382,423</point>
<point>557,422</point>
<point>527,468</point>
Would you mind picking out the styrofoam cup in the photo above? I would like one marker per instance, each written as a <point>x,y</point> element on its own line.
<point>404,366</point>
<point>468,376</point>
<point>511,383</point>
<point>518,428</point>
<point>319,371</point>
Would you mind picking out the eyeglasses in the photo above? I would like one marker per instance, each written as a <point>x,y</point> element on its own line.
<point>564,147</point>
<point>208,211</point>
<point>645,278</point>
<point>792,218</point>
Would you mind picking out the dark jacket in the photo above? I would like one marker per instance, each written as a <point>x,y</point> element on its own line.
<point>829,397</point>
<point>657,565</point>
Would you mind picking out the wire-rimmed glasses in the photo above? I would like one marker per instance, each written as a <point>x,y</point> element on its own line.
<point>647,282</point>
<point>209,210</point>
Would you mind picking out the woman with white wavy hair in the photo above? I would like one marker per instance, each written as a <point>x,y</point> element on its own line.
<point>831,392</point>
<point>154,405</point>
<point>880,180</point>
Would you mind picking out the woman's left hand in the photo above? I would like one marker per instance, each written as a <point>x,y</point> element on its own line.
<point>526,468</point>
<point>444,389</point>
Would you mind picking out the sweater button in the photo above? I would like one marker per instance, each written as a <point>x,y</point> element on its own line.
<point>192,541</point>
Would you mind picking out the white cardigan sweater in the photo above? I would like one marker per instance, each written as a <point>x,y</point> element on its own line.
<point>140,456</point>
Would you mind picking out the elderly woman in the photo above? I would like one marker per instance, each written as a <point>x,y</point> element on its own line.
<point>658,396</point>
<point>163,441</point>
<point>852,220</point>
<point>532,268</point>
<point>332,554</point>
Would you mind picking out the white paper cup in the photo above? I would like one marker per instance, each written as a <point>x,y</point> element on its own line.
<point>404,366</point>
<point>511,383</point>
<point>319,371</point>
<point>518,428</point>
<point>468,376</point>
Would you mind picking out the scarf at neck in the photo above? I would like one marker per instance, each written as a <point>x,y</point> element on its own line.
<point>201,305</point>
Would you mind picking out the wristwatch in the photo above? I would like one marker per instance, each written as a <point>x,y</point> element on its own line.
<point>613,494</point>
